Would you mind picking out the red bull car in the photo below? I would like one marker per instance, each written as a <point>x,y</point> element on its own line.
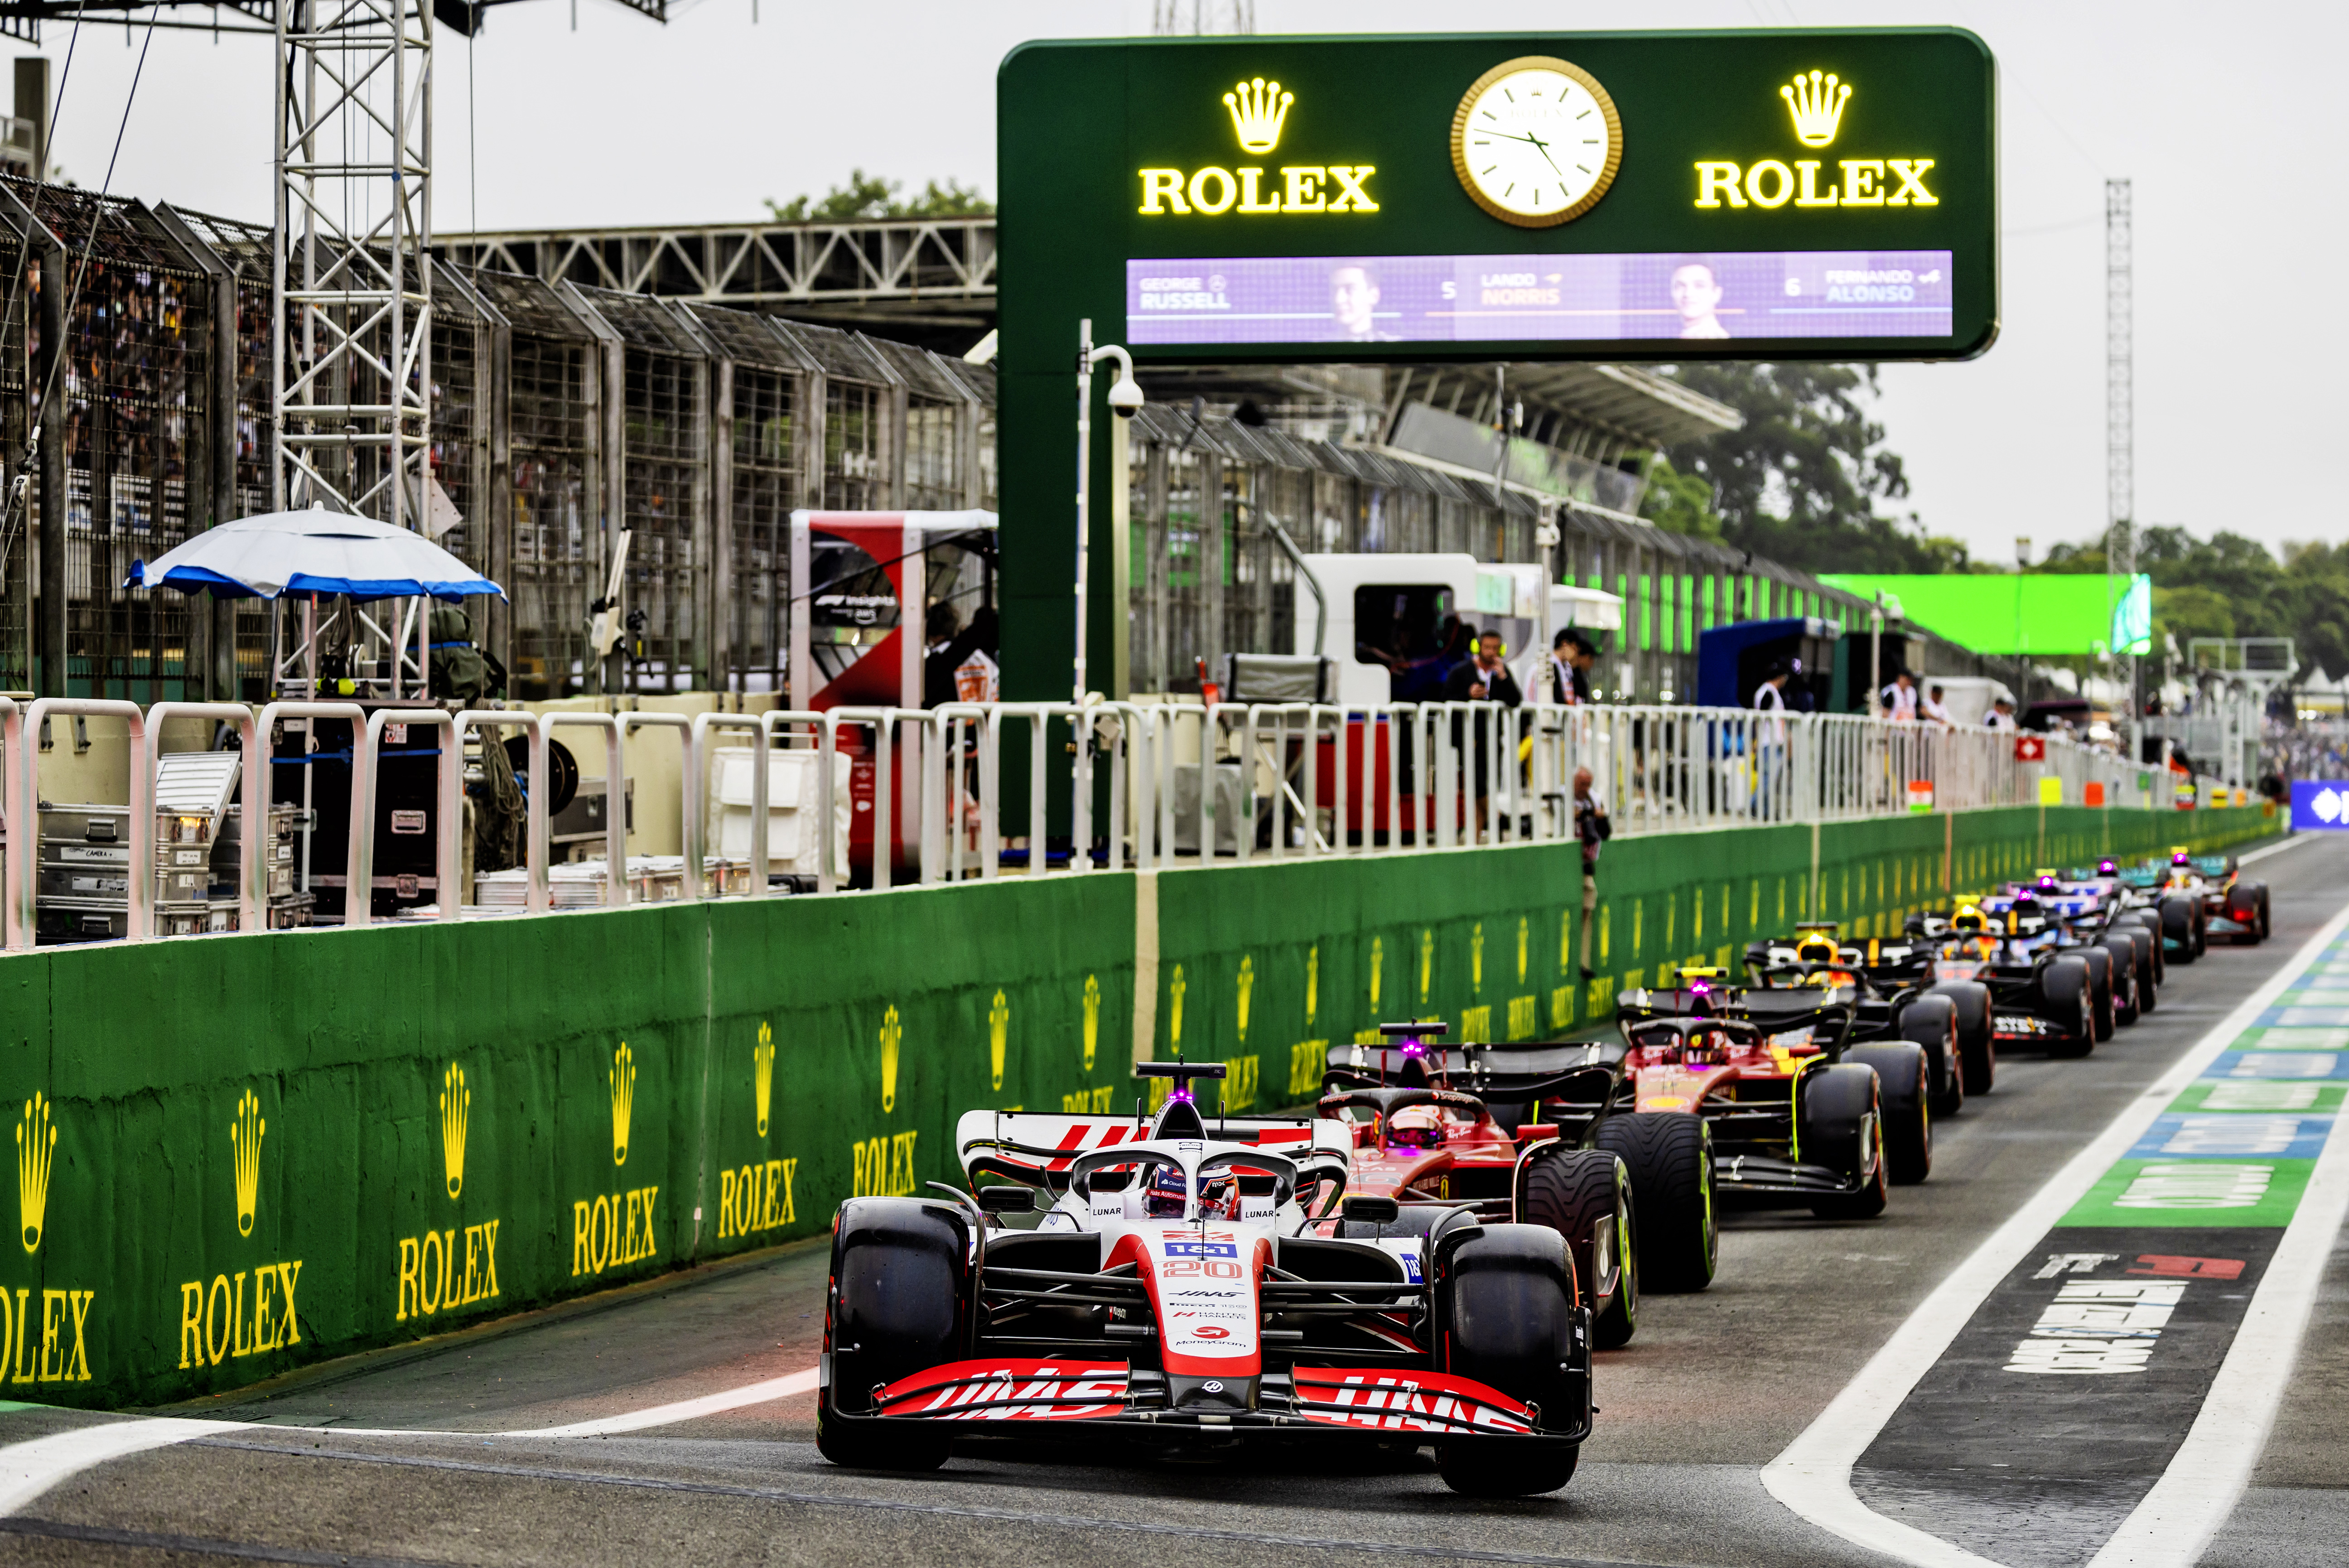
<point>1896,995</point>
<point>2043,993</point>
<point>1174,1296</point>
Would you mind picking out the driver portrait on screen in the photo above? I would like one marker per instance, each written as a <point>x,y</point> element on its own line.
<point>1354,302</point>
<point>1696,294</point>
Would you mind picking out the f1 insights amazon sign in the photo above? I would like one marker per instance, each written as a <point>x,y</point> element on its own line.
<point>1728,195</point>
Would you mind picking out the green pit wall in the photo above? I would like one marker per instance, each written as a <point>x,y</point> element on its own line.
<point>241,1155</point>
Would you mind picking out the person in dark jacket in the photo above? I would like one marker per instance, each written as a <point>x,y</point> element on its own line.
<point>1482,678</point>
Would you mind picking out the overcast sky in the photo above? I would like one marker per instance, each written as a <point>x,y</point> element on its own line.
<point>2226,118</point>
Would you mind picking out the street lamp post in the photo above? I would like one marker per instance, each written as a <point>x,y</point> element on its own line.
<point>1124,402</point>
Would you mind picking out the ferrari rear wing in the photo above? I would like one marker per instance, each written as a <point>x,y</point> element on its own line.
<point>1508,1073</point>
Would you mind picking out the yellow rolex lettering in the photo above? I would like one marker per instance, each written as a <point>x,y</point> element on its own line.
<point>265,1327</point>
<point>1161,192</point>
<point>81,1300</point>
<point>1769,183</point>
<point>472,1289</point>
<point>1353,195</point>
<point>1910,172</point>
<point>583,1255</point>
<point>192,1323</point>
<point>449,1268</point>
<point>1250,199</point>
<point>217,1310</point>
<point>429,1296</point>
<point>604,1241</point>
<point>725,1204</point>
<point>789,1167</point>
<point>409,1301</point>
<point>1225,190</point>
<point>287,1274</point>
<point>53,1345</point>
<point>1719,183</point>
<point>1301,188</point>
<point>651,1247</point>
<point>238,1345</point>
<point>628,1254</point>
<point>1809,196</point>
<point>489,1256</point>
<point>772,1175</point>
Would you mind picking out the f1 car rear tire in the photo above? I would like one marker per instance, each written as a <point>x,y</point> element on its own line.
<point>1505,1317</point>
<point>2179,925</point>
<point>1670,1157</point>
<point>1842,1127</point>
<point>1931,1022</point>
<point>1977,1046</point>
<point>1903,1085</point>
<point>2127,1007</point>
<point>1586,1195</point>
<point>2145,950</point>
<point>2148,921</point>
<point>2066,1001</point>
<point>2100,990</point>
<point>2247,906</point>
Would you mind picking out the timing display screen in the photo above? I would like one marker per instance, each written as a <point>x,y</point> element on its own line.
<point>1529,298</point>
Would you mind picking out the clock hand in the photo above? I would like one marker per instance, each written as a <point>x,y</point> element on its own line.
<point>1543,148</point>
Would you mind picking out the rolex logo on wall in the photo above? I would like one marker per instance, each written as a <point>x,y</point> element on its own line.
<point>1248,990</point>
<point>1312,983</point>
<point>36,1142</point>
<point>1378,964</point>
<point>1092,1018</point>
<point>245,1136</point>
<point>624,1100</point>
<point>999,1037</point>
<point>762,1074</point>
<point>893,1036</point>
<point>456,1105</point>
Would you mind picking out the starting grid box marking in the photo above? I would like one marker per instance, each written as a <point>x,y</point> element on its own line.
<point>2235,1135</point>
<point>2279,1065</point>
<point>2305,1017</point>
<point>2166,1193</point>
<point>2261,1095</point>
<point>2293,1040</point>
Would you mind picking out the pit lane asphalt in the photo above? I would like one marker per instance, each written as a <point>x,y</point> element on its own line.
<point>1712,1387</point>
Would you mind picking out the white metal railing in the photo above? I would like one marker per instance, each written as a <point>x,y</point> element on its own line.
<point>1118,786</point>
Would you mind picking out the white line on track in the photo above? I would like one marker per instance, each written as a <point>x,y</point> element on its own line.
<point>2292,842</point>
<point>1813,1476</point>
<point>27,1470</point>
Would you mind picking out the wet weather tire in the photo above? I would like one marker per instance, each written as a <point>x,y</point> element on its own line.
<point>1670,1157</point>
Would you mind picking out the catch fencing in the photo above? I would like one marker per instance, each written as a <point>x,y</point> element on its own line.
<point>976,792</point>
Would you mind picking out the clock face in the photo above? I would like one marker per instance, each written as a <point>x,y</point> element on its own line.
<point>1537,142</point>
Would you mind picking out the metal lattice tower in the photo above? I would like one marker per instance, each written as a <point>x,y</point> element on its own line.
<point>1198,16</point>
<point>2120,455</point>
<point>352,395</point>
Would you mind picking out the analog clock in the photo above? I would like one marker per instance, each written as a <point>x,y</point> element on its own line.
<point>1537,142</point>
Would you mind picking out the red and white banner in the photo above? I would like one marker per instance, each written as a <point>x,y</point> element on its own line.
<point>2030,748</point>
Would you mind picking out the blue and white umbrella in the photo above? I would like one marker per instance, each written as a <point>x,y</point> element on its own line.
<point>314,552</point>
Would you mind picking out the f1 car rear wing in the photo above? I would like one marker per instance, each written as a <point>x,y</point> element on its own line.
<point>1508,1074</point>
<point>1825,1016</point>
<point>1038,1147</point>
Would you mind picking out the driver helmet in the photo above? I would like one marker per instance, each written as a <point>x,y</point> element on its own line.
<point>2109,868</point>
<point>1416,1127</point>
<point>1814,948</point>
<point>2047,882</point>
<point>1165,1193</point>
<point>1970,918</point>
<point>1219,1195</point>
<point>2180,859</point>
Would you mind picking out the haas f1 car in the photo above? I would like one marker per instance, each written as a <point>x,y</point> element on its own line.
<point>1173,1295</point>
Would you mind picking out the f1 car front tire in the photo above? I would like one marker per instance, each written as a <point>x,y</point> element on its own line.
<point>895,1306</point>
<point>1586,1195</point>
<point>1903,1085</point>
<point>1842,1127</point>
<point>1505,1310</point>
<point>1977,1044</point>
<point>1670,1157</point>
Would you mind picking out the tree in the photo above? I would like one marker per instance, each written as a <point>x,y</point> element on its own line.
<point>870,198</point>
<point>1675,501</point>
<point>1799,481</point>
